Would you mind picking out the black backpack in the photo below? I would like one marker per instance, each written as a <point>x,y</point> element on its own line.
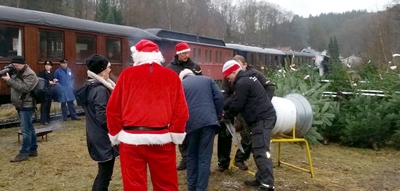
<point>39,92</point>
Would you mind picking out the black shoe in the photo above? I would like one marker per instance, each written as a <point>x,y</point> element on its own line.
<point>241,166</point>
<point>252,183</point>
<point>20,157</point>
<point>75,119</point>
<point>181,166</point>
<point>265,187</point>
<point>221,168</point>
<point>33,154</point>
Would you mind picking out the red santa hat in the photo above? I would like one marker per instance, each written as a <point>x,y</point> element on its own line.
<point>146,52</point>
<point>229,67</point>
<point>182,47</point>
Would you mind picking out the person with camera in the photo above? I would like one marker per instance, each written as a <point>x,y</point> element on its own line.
<point>22,81</point>
<point>50,92</point>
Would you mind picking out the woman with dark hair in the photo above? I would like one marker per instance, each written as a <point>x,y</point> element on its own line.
<point>46,105</point>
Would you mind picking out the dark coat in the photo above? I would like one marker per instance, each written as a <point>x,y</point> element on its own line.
<point>205,102</point>
<point>98,142</point>
<point>227,88</point>
<point>249,99</point>
<point>65,84</point>
<point>51,88</point>
<point>178,66</point>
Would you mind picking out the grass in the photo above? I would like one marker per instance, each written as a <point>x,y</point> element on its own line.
<point>64,164</point>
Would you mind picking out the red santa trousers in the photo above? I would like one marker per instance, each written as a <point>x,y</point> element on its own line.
<point>161,160</point>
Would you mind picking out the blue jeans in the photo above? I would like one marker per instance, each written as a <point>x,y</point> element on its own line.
<point>200,149</point>
<point>29,142</point>
<point>71,108</point>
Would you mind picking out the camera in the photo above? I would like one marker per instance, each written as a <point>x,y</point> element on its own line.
<point>10,69</point>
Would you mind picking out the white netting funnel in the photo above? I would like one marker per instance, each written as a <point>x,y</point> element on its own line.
<point>290,110</point>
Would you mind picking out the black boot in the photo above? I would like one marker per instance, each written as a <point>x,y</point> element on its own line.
<point>241,165</point>
<point>221,168</point>
<point>252,183</point>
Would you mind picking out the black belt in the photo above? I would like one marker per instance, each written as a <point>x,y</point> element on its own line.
<point>140,128</point>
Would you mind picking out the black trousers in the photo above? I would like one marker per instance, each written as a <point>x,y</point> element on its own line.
<point>225,145</point>
<point>260,137</point>
<point>183,149</point>
<point>104,174</point>
<point>45,109</point>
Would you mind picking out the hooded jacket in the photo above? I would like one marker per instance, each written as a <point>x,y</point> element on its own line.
<point>178,66</point>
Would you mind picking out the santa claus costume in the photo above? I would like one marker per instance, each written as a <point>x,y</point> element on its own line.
<point>146,115</point>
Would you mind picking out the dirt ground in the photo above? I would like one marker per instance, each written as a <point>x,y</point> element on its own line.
<point>64,164</point>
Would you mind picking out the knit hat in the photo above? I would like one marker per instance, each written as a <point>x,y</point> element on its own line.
<point>97,63</point>
<point>18,59</point>
<point>229,67</point>
<point>146,52</point>
<point>182,47</point>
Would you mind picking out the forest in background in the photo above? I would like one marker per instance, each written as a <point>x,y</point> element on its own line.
<point>372,36</point>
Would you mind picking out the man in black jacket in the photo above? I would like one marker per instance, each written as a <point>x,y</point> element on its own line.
<point>180,62</point>
<point>257,110</point>
<point>224,139</point>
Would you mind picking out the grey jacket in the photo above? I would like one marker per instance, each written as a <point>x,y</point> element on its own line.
<point>22,83</point>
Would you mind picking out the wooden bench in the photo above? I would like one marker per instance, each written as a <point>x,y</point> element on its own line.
<point>42,132</point>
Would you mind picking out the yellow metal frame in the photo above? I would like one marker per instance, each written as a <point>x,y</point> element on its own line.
<point>292,139</point>
<point>285,139</point>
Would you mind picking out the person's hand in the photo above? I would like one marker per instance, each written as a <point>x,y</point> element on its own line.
<point>52,82</point>
<point>55,80</point>
<point>6,77</point>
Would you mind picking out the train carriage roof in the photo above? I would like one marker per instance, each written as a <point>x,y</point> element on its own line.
<point>54,20</point>
<point>255,49</point>
<point>179,36</point>
<point>295,53</point>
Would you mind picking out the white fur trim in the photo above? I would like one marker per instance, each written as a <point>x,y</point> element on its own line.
<point>114,139</point>
<point>185,72</point>
<point>133,49</point>
<point>182,51</point>
<point>108,83</point>
<point>147,58</point>
<point>144,139</point>
<point>178,138</point>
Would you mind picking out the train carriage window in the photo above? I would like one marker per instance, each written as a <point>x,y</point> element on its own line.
<point>205,56</point>
<point>85,46</point>
<point>10,41</point>
<point>199,56</point>
<point>194,55</point>
<point>113,49</point>
<point>210,57</point>
<point>51,45</point>
<point>220,56</point>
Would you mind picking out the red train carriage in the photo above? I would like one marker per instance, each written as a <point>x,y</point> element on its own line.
<point>40,36</point>
<point>209,53</point>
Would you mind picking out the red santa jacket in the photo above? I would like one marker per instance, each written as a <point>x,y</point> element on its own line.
<point>151,96</point>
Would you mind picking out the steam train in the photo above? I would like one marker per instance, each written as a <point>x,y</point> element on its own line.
<point>41,36</point>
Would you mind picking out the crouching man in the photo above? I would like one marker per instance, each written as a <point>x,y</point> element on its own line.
<point>257,110</point>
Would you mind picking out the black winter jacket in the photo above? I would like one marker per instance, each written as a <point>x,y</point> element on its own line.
<point>227,88</point>
<point>98,142</point>
<point>249,99</point>
<point>178,66</point>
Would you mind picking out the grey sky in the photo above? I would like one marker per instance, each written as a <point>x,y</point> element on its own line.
<point>315,7</point>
